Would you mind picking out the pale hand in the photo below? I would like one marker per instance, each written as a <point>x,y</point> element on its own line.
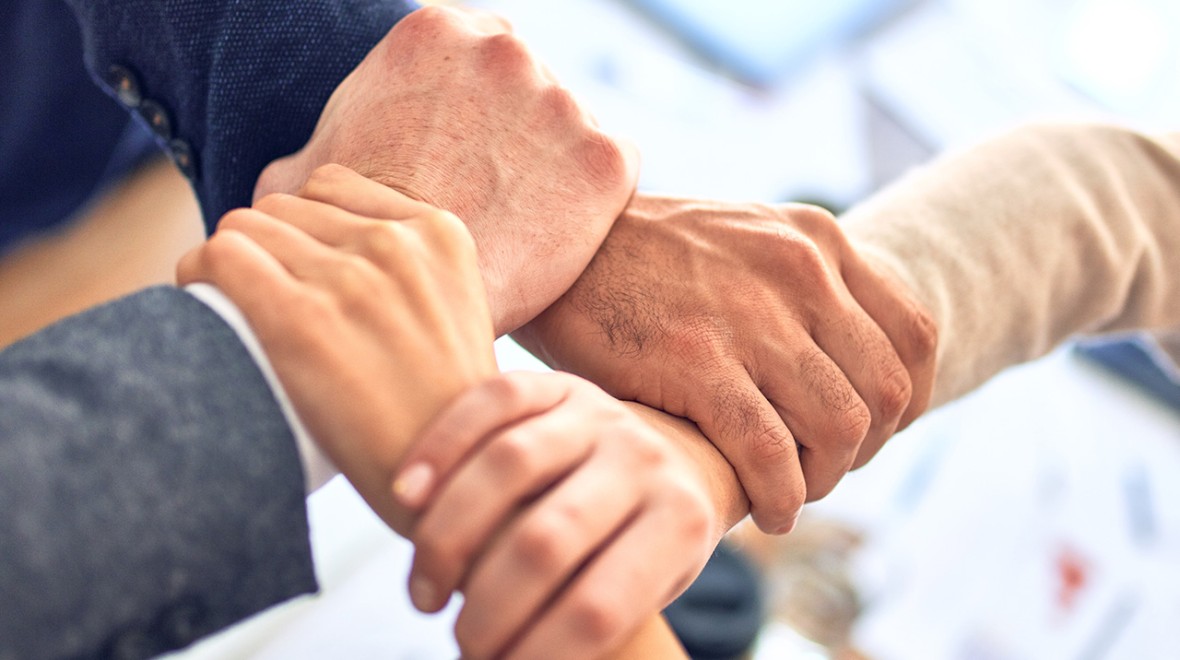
<point>370,307</point>
<point>565,518</point>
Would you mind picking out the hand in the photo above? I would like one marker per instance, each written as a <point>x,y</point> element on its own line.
<point>563,517</point>
<point>759,323</point>
<point>370,307</point>
<point>453,110</point>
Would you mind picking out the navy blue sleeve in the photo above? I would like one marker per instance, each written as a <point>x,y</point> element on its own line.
<point>150,490</point>
<point>229,85</point>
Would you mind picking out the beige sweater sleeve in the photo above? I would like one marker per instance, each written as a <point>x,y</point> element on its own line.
<point>1027,239</point>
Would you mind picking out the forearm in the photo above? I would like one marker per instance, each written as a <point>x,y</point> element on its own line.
<point>1032,237</point>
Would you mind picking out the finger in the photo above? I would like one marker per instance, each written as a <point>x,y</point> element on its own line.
<point>328,224</point>
<point>908,327</point>
<point>824,412</point>
<point>455,432</point>
<point>518,463</point>
<point>614,593</point>
<point>537,555</point>
<point>246,273</point>
<point>303,256</point>
<point>734,414</point>
<point>862,351</point>
<point>343,188</point>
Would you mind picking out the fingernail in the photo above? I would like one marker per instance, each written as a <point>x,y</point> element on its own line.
<point>423,594</point>
<point>413,484</point>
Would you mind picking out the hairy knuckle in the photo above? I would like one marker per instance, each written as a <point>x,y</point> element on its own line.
<point>770,444</point>
<point>698,340</point>
<point>851,425</point>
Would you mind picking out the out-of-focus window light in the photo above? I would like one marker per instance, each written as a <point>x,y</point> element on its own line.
<point>762,41</point>
<point>1123,53</point>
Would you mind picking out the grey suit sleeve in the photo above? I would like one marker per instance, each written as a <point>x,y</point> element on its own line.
<point>150,490</point>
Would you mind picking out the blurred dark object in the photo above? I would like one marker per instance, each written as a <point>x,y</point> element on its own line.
<point>720,615</point>
<point>1140,360</point>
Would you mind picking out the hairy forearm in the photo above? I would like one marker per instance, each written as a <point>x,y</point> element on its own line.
<point>1027,239</point>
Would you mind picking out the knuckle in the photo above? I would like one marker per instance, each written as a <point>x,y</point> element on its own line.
<point>693,508</point>
<point>921,334</point>
<point>601,157</point>
<point>430,15</point>
<point>383,242</point>
<point>775,511</point>
<point>272,203</point>
<point>700,340</point>
<point>329,172</point>
<point>325,176</point>
<point>313,309</point>
<point>508,390</point>
<point>852,425</point>
<point>452,234</point>
<point>806,262</point>
<point>540,544</point>
<point>513,456</point>
<point>770,445</point>
<point>559,103</point>
<point>648,452</point>
<point>505,53</point>
<point>793,497</point>
<point>235,220</point>
<point>597,618</point>
<point>354,284</point>
<point>806,254</point>
<point>814,220</point>
<point>219,249</point>
<point>895,392</point>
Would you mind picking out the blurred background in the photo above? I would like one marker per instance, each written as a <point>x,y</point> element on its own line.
<point>1037,518</point>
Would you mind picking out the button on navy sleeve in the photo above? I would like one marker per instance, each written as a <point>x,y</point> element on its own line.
<point>244,81</point>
